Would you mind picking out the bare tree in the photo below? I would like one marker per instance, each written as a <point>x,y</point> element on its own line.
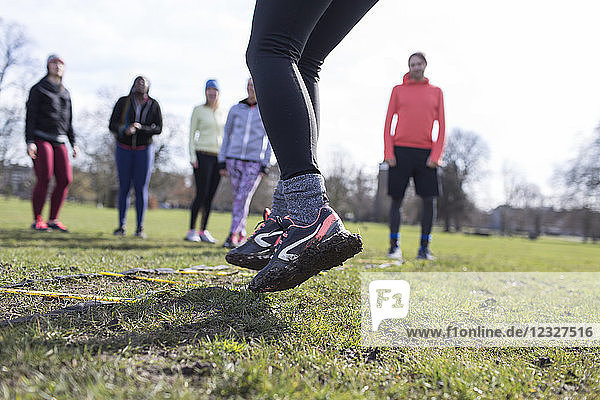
<point>350,189</point>
<point>581,184</point>
<point>581,179</point>
<point>14,53</point>
<point>338,183</point>
<point>464,154</point>
<point>523,204</point>
<point>15,69</point>
<point>97,155</point>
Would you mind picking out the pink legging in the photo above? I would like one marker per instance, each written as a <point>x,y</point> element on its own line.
<point>51,160</point>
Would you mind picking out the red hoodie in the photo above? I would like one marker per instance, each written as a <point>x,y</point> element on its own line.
<point>417,104</point>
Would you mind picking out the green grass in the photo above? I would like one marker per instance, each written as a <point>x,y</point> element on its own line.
<point>210,338</point>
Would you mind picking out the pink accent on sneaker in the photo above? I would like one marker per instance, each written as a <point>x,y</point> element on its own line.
<point>39,223</point>
<point>60,225</point>
<point>325,227</point>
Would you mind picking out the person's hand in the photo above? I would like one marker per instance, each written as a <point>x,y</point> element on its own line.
<point>262,174</point>
<point>223,172</point>
<point>32,150</point>
<point>75,151</point>
<point>131,129</point>
<point>194,164</point>
<point>432,164</point>
<point>391,161</point>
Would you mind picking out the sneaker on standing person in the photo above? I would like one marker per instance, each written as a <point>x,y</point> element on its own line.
<point>192,236</point>
<point>139,232</point>
<point>206,237</point>
<point>395,253</point>
<point>230,243</point>
<point>57,225</point>
<point>39,224</point>
<point>425,254</point>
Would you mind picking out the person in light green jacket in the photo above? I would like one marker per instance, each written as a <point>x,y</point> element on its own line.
<point>206,135</point>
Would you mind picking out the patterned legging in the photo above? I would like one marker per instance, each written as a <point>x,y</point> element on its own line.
<point>244,177</point>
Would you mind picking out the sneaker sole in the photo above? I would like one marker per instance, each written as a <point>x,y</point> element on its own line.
<point>318,257</point>
<point>255,262</point>
<point>59,230</point>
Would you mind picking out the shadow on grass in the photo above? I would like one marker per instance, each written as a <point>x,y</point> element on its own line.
<point>14,238</point>
<point>164,321</point>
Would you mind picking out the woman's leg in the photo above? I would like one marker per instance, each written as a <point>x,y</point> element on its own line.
<point>280,30</point>
<point>63,176</point>
<point>213,183</point>
<point>326,35</point>
<point>315,238</point>
<point>43,166</point>
<point>281,33</point>
<point>395,220</point>
<point>249,181</point>
<point>142,170</point>
<point>124,160</point>
<point>235,177</point>
<point>427,217</point>
<point>202,180</point>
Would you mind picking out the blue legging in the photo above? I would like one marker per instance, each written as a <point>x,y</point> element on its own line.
<point>134,165</point>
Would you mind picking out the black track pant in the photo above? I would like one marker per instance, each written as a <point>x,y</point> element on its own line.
<point>427,216</point>
<point>207,179</point>
<point>289,42</point>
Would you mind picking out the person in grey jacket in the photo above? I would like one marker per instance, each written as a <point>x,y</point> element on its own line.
<point>244,157</point>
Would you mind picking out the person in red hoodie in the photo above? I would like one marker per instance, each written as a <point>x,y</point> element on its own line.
<point>410,150</point>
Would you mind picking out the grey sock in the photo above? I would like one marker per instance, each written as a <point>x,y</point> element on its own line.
<point>304,196</point>
<point>279,208</point>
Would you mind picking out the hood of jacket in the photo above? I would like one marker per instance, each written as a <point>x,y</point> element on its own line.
<point>407,81</point>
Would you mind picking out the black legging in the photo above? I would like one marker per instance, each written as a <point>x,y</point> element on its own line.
<point>289,42</point>
<point>207,179</point>
<point>427,216</point>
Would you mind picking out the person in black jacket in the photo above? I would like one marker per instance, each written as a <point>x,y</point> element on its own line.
<point>48,126</point>
<point>135,119</point>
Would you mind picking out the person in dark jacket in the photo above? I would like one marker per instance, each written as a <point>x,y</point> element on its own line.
<point>135,119</point>
<point>48,127</point>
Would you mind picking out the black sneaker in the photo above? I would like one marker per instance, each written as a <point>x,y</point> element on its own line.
<point>229,243</point>
<point>139,232</point>
<point>256,252</point>
<point>395,253</point>
<point>425,254</point>
<point>304,251</point>
<point>39,224</point>
<point>58,226</point>
<point>120,231</point>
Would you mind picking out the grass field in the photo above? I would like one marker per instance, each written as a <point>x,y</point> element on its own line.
<point>207,337</point>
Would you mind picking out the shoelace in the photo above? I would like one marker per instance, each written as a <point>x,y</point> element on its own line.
<point>262,223</point>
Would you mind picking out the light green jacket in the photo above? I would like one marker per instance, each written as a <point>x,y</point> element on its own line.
<point>206,131</point>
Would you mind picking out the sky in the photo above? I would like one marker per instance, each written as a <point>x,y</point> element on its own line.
<point>524,75</point>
